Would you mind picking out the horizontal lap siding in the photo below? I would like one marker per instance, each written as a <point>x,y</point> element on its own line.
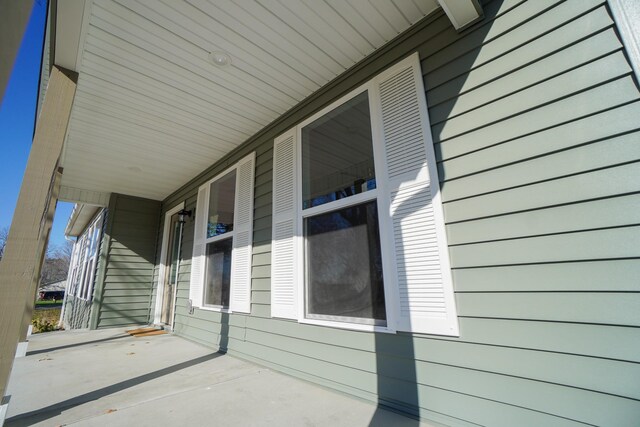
<point>534,115</point>
<point>126,292</point>
<point>261,271</point>
<point>537,164</point>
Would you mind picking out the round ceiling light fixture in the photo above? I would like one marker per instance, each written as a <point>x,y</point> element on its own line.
<point>220,59</point>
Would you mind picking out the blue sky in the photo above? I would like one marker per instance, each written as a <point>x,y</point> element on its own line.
<point>17,114</point>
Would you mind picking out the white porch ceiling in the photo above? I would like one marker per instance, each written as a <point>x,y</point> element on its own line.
<point>151,111</point>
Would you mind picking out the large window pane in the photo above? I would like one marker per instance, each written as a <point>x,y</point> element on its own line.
<point>218,273</point>
<point>222,197</point>
<point>337,154</point>
<point>344,265</point>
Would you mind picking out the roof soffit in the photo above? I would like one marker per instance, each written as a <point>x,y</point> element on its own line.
<point>152,111</point>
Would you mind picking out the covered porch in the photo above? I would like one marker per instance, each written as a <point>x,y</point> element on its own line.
<point>108,377</point>
<point>108,128</point>
<point>530,149</point>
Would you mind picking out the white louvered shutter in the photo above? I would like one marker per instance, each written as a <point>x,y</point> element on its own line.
<point>240,300</point>
<point>422,269</point>
<point>283,289</point>
<point>198,256</point>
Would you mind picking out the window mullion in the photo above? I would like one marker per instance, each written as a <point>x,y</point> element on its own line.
<point>341,203</point>
<point>228,234</point>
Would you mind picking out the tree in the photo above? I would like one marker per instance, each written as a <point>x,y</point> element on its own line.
<point>56,263</point>
<point>63,251</point>
<point>4,234</point>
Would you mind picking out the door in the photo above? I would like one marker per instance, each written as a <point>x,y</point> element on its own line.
<point>170,280</point>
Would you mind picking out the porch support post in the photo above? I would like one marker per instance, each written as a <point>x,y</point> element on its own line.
<point>14,17</point>
<point>43,239</point>
<point>24,249</point>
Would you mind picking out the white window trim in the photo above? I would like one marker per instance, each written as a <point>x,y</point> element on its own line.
<point>386,220</point>
<point>206,241</point>
<point>390,292</point>
<point>228,235</point>
<point>96,240</point>
<point>83,265</point>
<point>163,262</point>
<point>79,265</point>
<point>73,268</point>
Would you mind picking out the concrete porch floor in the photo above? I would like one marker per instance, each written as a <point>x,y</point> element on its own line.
<point>108,378</point>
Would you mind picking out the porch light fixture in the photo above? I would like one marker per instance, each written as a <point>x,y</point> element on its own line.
<point>220,59</point>
<point>182,214</point>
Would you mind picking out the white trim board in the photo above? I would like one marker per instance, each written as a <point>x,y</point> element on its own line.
<point>4,407</point>
<point>163,259</point>
<point>626,14</point>
<point>21,349</point>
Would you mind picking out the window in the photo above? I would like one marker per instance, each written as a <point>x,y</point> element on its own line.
<point>343,265</point>
<point>337,154</point>
<point>221,263</point>
<point>82,268</point>
<point>219,238</point>
<point>358,231</point>
<point>342,256</point>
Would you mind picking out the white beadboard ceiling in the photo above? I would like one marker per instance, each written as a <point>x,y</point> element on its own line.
<point>151,111</point>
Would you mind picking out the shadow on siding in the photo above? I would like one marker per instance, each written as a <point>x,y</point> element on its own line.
<point>396,367</point>
<point>224,333</point>
<point>131,230</point>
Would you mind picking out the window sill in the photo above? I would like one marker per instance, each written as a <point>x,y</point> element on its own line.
<point>216,309</point>
<point>350,326</point>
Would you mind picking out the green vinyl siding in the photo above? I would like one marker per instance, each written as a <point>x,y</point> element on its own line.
<point>535,118</point>
<point>123,289</point>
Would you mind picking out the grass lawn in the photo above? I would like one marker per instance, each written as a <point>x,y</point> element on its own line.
<point>45,320</point>
<point>48,303</point>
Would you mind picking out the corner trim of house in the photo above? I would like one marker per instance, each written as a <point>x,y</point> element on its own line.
<point>626,14</point>
<point>98,291</point>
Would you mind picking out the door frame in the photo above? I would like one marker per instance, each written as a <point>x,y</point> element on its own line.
<point>163,265</point>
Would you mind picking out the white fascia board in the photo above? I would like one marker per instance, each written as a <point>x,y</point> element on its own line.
<point>461,13</point>
<point>83,196</point>
<point>72,23</point>
<point>80,218</point>
<point>72,220</point>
